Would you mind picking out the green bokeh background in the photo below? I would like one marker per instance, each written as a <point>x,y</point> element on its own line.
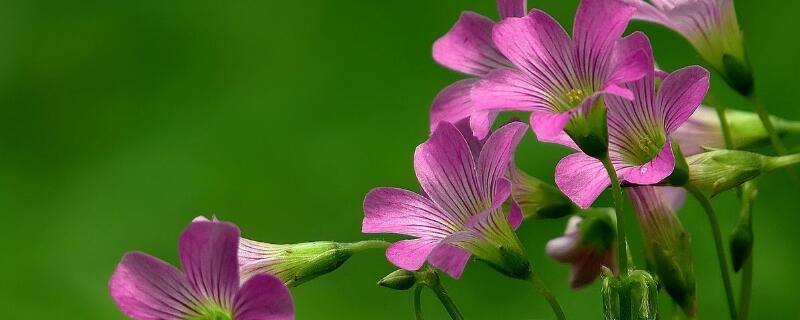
<point>120,121</point>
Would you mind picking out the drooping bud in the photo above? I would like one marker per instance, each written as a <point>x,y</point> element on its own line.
<point>741,242</point>
<point>538,199</point>
<point>667,244</point>
<point>718,170</point>
<point>295,263</point>
<point>588,129</point>
<point>399,280</point>
<point>587,245</point>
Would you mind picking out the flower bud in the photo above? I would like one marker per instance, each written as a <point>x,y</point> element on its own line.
<point>719,170</point>
<point>399,280</point>
<point>589,130</point>
<point>294,264</point>
<point>587,245</point>
<point>738,74</point>
<point>538,199</point>
<point>610,294</point>
<point>644,295</point>
<point>741,241</point>
<point>667,244</point>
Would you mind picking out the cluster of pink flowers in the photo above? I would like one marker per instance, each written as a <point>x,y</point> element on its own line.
<point>597,92</point>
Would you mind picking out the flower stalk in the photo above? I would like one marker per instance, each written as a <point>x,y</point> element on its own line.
<point>774,138</point>
<point>537,284</point>
<point>622,244</point>
<point>712,217</point>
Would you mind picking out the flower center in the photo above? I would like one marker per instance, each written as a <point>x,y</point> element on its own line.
<point>212,313</point>
<point>649,148</point>
<point>575,97</point>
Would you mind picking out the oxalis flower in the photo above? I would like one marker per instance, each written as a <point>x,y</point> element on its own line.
<point>146,288</point>
<point>587,245</point>
<point>468,48</point>
<point>711,27</point>
<point>638,131</point>
<point>460,214</point>
<point>555,76</point>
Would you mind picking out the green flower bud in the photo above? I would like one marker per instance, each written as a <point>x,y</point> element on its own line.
<point>738,74</point>
<point>718,170</point>
<point>741,241</point>
<point>644,295</point>
<point>610,294</point>
<point>538,199</point>
<point>296,263</point>
<point>590,131</point>
<point>399,280</point>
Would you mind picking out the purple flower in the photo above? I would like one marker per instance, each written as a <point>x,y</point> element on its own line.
<point>638,131</point>
<point>468,48</point>
<point>588,245</point>
<point>709,25</point>
<point>146,288</point>
<point>460,213</point>
<point>556,76</point>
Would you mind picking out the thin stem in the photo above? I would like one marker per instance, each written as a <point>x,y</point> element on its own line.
<point>537,284</point>
<point>766,120</point>
<point>417,302</point>
<point>712,218</point>
<point>622,244</point>
<point>747,287</point>
<point>366,245</point>
<point>723,121</point>
<point>446,301</point>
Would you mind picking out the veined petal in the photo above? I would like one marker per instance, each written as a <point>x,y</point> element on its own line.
<point>508,90</point>
<point>681,93</point>
<point>411,254</point>
<point>632,59</point>
<point>468,46</point>
<point>481,123</point>
<point>446,171</point>
<point>453,103</point>
<point>208,252</point>
<point>450,259</point>
<point>549,127</point>
<point>495,158</point>
<point>653,171</point>
<point>263,297</point>
<point>392,210</point>
<point>674,196</point>
<point>581,178</point>
<point>598,26</point>
<point>539,46</point>
<point>647,12</point>
<point>512,8</point>
<point>515,215</point>
<point>147,288</point>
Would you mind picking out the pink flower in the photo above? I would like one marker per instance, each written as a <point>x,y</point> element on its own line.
<point>588,245</point>
<point>638,131</point>
<point>468,48</point>
<point>146,288</point>
<point>555,76</point>
<point>460,212</point>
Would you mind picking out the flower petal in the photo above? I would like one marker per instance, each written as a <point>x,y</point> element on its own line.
<point>654,171</point>
<point>549,127</point>
<point>263,297</point>
<point>507,90</point>
<point>495,158</point>
<point>468,46</point>
<point>515,216</point>
<point>411,254</point>
<point>208,252</point>
<point>598,26</point>
<point>539,46</point>
<point>147,288</point>
<point>681,93</point>
<point>512,8</point>
<point>446,171</point>
<point>674,196</point>
<point>581,178</point>
<point>633,59</point>
<point>453,103</point>
<point>392,210</point>
<point>450,259</point>
<point>481,123</point>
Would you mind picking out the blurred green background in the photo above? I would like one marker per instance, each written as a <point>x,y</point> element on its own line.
<point>120,121</point>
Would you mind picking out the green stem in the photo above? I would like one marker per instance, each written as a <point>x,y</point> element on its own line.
<point>446,301</point>
<point>726,129</point>
<point>712,218</point>
<point>788,126</point>
<point>551,299</point>
<point>747,287</point>
<point>782,161</point>
<point>417,302</point>
<point>366,245</point>
<point>774,138</point>
<point>622,244</point>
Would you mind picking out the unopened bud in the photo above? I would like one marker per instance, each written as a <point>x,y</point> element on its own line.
<point>741,241</point>
<point>610,294</point>
<point>294,264</point>
<point>738,74</point>
<point>718,170</point>
<point>399,280</point>
<point>538,199</point>
<point>644,295</point>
